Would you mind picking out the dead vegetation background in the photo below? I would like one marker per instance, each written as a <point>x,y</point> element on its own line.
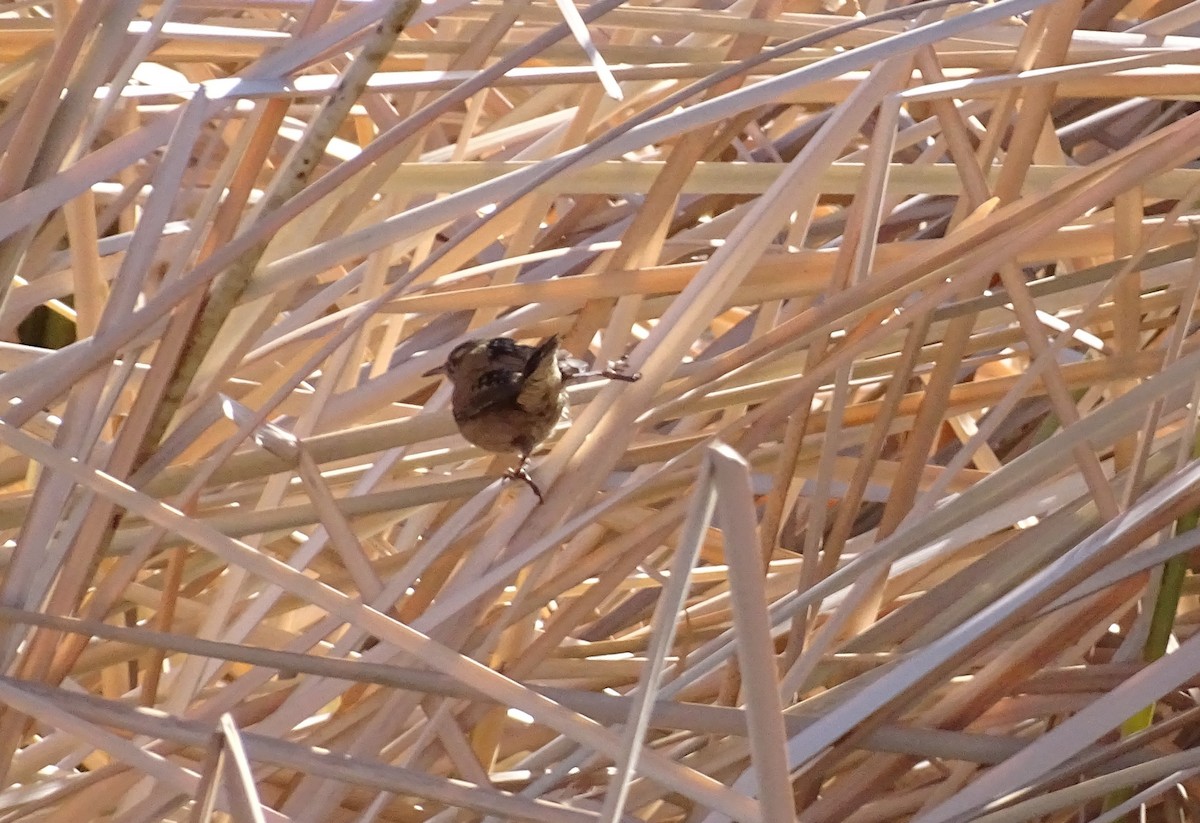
<point>896,525</point>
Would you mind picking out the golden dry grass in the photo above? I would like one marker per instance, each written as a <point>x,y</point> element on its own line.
<point>896,526</point>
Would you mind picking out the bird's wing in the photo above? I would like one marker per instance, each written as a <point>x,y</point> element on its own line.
<point>495,389</point>
<point>506,353</point>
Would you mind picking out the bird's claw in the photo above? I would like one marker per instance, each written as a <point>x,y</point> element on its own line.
<point>619,370</point>
<point>520,473</point>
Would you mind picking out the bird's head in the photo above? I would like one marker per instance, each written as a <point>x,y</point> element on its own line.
<point>467,357</point>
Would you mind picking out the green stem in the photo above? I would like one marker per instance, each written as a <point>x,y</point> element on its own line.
<point>1162,623</point>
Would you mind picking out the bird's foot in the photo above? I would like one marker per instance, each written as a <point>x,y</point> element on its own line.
<point>619,370</point>
<point>522,474</point>
<point>615,370</point>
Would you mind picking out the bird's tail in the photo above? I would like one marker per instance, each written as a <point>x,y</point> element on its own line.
<point>543,357</point>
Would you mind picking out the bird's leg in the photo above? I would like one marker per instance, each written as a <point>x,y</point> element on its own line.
<point>616,370</point>
<point>521,473</point>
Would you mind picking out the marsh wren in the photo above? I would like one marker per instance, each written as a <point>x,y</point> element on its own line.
<point>508,396</point>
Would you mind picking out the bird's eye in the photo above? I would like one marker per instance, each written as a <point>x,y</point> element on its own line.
<point>458,353</point>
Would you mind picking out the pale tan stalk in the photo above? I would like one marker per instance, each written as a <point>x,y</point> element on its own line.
<point>930,272</point>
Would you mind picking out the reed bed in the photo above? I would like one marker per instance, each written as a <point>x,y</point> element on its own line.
<point>896,525</point>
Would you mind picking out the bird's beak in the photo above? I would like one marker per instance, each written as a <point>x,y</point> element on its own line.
<point>435,371</point>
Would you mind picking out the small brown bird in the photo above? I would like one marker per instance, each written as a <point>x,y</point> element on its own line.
<point>508,397</point>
